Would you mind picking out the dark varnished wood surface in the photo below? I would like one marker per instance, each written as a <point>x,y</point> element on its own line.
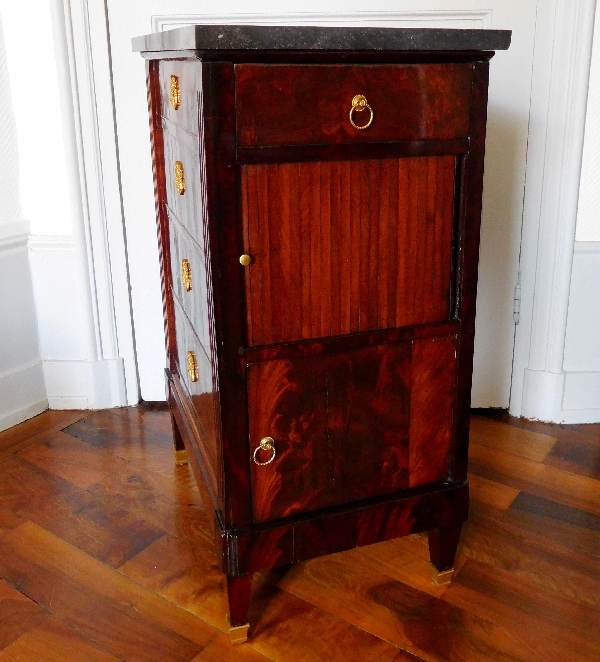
<point>350,151</point>
<point>351,426</point>
<point>341,247</point>
<point>340,425</point>
<point>527,574</point>
<point>227,279</point>
<point>431,409</point>
<point>410,253</point>
<point>310,104</point>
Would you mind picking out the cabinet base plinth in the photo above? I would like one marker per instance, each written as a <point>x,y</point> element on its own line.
<point>238,634</point>
<point>181,458</point>
<point>438,578</point>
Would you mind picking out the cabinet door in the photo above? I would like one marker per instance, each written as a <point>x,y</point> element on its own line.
<point>340,247</point>
<point>350,426</point>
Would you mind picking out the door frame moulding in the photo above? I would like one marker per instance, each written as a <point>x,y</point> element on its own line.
<point>481,18</point>
<point>563,42</point>
<point>82,43</point>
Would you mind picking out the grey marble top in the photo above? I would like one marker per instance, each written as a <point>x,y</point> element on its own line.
<point>311,38</point>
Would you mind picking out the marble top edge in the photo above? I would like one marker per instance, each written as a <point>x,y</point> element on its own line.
<point>307,38</point>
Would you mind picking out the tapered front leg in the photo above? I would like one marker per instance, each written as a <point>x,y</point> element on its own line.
<point>442,551</point>
<point>238,593</point>
<point>179,447</point>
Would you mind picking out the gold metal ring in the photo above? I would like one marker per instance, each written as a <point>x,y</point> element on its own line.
<point>359,103</point>
<point>266,444</point>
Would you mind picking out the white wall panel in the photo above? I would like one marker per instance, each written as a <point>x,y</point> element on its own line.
<point>22,391</point>
<point>588,217</point>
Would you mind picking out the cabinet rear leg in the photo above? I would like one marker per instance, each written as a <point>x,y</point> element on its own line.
<point>442,550</point>
<point>179,447</point>
<point>238,593</point>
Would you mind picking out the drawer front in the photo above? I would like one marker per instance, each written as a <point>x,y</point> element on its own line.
<point>185,189</point>
<point>180,85</point>
<point>352,426</point>
<point>190,278</point>
<point>197,375</point>
<point>341,247</point>
<point>310,104</point>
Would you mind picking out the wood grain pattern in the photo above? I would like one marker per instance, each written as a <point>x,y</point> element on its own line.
<point>431,409</point>
<point>373,249</point>
<point>351,426</point>
<point>53,641</point>
<point>532,445</point>
<point>18,614</point>
<point>225,237</point>
<point>526,588</point>
<point>334,530</point>
<point>310,104</point>
<point>340,425</point>
<point>35,429</point>
<point>132,622</point>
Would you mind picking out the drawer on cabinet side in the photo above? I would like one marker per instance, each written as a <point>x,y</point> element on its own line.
<point>180,83</point>
<point>184,188</point>
<point>197,375</point>
<point>189,275</point>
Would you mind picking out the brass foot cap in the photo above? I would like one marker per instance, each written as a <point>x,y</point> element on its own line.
<point>440,578</point>
<point>239,634</point>
<point>181,457</point>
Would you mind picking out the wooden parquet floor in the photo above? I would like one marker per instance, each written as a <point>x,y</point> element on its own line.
<point>105,555</point>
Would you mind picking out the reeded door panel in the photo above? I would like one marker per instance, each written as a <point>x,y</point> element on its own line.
<point>340,247</point>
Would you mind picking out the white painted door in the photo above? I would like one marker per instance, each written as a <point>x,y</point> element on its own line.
<point>510,89</point>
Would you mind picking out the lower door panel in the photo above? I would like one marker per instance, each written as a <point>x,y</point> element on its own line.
<point>350,426</point>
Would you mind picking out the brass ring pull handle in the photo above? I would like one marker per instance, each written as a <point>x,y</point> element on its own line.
<point>359,103</point>
<point>266,444</point>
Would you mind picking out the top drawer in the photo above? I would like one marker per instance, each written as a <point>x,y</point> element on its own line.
<point>180,85</point>
<point>310,104</point>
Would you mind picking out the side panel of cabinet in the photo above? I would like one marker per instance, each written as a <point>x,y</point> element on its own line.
<point>340,247</point>
<point>350,426</point>
<point>178,136</point>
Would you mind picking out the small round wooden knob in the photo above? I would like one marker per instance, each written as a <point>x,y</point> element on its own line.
<point>245,260</point>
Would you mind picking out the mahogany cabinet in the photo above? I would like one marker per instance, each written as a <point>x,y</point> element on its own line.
<point>318,193</point>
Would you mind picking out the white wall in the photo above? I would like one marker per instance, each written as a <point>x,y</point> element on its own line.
<point>81,362</point>
<point>22,392</point>
<point>581,398</point>
<point>557,120</point>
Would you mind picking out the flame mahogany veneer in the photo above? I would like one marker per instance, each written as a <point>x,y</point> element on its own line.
<point>348,338</point>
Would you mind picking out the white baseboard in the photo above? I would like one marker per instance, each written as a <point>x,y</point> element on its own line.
<point>21,394</point>
<point>12,418</point>
<point>578,416</point>
<point>567,397</point>
<point>85,384</point>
